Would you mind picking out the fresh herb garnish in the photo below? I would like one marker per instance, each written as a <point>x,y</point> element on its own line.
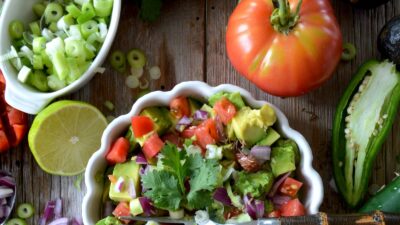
<point>166,187</point>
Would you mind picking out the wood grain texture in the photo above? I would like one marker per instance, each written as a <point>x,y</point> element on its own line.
<point>188,43</point>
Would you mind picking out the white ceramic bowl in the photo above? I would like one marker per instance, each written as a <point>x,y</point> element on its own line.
<point>26,98</point>
<point>312,196</point>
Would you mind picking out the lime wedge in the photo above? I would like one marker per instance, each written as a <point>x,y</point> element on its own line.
<point>64,135</point>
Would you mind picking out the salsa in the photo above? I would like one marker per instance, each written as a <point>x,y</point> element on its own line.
<point>221,160</point>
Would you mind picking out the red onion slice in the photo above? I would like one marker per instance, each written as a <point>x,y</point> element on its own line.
<point>260,208</point>
<point>119,185</point>
<point>7,181</point>
<point>148,208</point>
<point>261,153</point>
<point>280,200</point>
<point>48,212</point>
<point>58,208</point>
<point>3,201</point>
<point>141,159</point>
<point>183,123</point>
<point>60,221</point>
<point>221,195</point>
<point>277,184</point>
<point>6,192</point>
<point>200,115</point>
<point>131,189</point>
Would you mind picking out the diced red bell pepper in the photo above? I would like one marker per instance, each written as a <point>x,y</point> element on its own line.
<point>290,187</point>
<point>118,151</point>
<point>141,125</point>
<point>225,110</point>
<point>152,146</point>
<point>293,208</point>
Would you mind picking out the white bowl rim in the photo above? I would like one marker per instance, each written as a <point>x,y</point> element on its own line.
<point>14,88</point>
<point>309,175</point>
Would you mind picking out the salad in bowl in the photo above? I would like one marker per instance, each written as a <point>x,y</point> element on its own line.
<point>220,156</point>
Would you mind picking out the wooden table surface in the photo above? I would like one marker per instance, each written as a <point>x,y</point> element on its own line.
<point>187,42</point>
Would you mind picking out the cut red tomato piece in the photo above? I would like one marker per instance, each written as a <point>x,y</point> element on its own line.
<point>141,125</point>
<point>211,128</point>
<point>189,132</point>
<point>205,134</point>
<point>152,146</point>
<point>118,151</point>
<point>172,138</point>
<point>290,187</point>
<point>274,214</point>
<point>293,208</point>
<point>4,144</point>
<point>225,110</point>
<point>179,107</point>
<point>122,209</point>
<point>19,132</point>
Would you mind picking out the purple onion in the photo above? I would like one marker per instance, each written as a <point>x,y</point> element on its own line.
<point>131,189</point>
<point>48,212</point>
<point>7,181</point>
<point>58,208</point>
<point>277,184</point>
<point>183,123</point>
<point>143,170</point>
<point>254,207</point>
<point>140,159</point>
<point>221,195</point>
<point>3,201</point>
<point>77,221</point>
<point>200,115</point>
<point>119,185</point>
<point>148,208</point>
<point>60,221</point>
<point>6,192</point>
<point>5,210</point>
<point>261,153</point>
<point>260,210</point>
<point>280,200</point>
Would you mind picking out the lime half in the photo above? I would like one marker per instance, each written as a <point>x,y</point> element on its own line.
<point>65,135</point>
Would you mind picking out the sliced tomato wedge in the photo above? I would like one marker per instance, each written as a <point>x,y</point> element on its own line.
<point>293,208</point>
<point>152,146</point>
<point>290,187</point>
<point>172,138</point>
<point>189,132</point>
<point>118,151</point>
<point>179,107</point>
<point>4,144</point>
<point>206,133</point>
<point>225,110</point>
<point>141,125</point>
<point>122,209</point>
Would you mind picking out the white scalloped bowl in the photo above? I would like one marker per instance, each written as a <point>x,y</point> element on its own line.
<point>24,97</point>
<point>313,190</point>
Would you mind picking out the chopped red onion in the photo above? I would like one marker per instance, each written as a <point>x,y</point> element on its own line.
<point>277,184</point>
<point>221,195</point>
<point>200,115</point>
<point>60,221</point>
<point>148,208</point>
<point>280,200</point>
<point>7,181</point>
<point>6,192</point>
<point>5,211</point>
<point>143,170</point>
<point>119,185</point>
<point>58,208</point>
<point>250,208</point>
<point>141,159</point>
<point>261,153</point>
<point>48,212</point>
<point>183,123</point>
<point>131,189</point>
<point>260,210</point>
<point>3,201</point>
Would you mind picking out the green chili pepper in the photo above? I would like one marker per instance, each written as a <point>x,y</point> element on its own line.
<point>363,119</point>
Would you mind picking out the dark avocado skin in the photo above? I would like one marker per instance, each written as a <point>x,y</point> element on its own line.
<point>367,3</point>
<point>389,40</point>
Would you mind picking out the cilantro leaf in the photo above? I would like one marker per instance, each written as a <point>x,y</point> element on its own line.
<point>163,189</point>
<point>199,199</point>
<point>150,10</point>
<point>172,162</point>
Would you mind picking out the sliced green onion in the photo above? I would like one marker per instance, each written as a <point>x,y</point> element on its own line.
<point>132,82</point>
<point>9,55</point>
<point>53,12</point>
<point>75,70</point>
<point>103,31</point>
<point>118,61</point>
<point>137,72</point>
<point>28,38</point>
<point>46,33</point>
<point>78,181</point>
<point>90,51</point>
<point>25,211</point>
<point>55,83</point>
<point>23,74</point>
<point>136,58</point>
<point>38,9</point>
<point>35,28</point>
<point>349,52</point>
<point>46,60</point>
<point>65,22</point>
<point>74,48</point>
<point>75,31</point>
<point>26,52</point>
<point>26,62</point>
<point>73,10</point>
<point>15,29</point>
<point>109,105</point>
<point>53,27</point>
<point>99,69</point>
<point>16,221</point>
<point>103,8</point>
<point>155,73</point>
<point>81,2</point>
<point>87,13</point>
<point>60,65</point>
<point>18,43</point>
<point>144,84</point>
<point>39,80</point>
<point>88,28</point>
<point>37,62</point>
<point>38,44</point>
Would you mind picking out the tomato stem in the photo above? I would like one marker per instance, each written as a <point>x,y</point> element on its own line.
<point>282,19</point>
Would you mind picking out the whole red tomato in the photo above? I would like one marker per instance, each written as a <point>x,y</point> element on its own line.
<point>283,52</point>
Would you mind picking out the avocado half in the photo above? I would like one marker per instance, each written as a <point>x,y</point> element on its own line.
<point>367,3</point>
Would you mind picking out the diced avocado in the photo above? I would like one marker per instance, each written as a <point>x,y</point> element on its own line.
<point>131,138</point>
<point>208,109</point>
<point>194,105</point>
<point>271,137</point>
<point>228,151</point>
<point>162,122</point>
<point>283,157</point>
<point>256,184</point>
<point>290,144</point>
<point>249,125</point>
<point>135,207</point>
<point>242,218</point>
<point>110,220</point>
<point>235,199</point>
<point>230,132</point>
<point>234,97</point>
<point>129,171</point>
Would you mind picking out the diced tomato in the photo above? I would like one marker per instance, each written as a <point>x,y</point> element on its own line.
<point>189,132</point>
<point>290,187</point>
<point>179,107</point>
<point>274,214</point>
<point>141,125</point>
<point>15,116</point>
<point>225,110</point>
<point>122,209</point>
<point>152,146</point>
<point>205,134</point>
<point>293,208</point>
<point>4,144</point>
<point>118,151</point>
<point>172,138</point>
<point>211,127</point>
<point>19,132</point>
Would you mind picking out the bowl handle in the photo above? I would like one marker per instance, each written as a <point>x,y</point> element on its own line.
<point>31,104</point>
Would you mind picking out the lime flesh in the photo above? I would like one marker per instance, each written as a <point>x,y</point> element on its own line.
<point>65,135</point>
